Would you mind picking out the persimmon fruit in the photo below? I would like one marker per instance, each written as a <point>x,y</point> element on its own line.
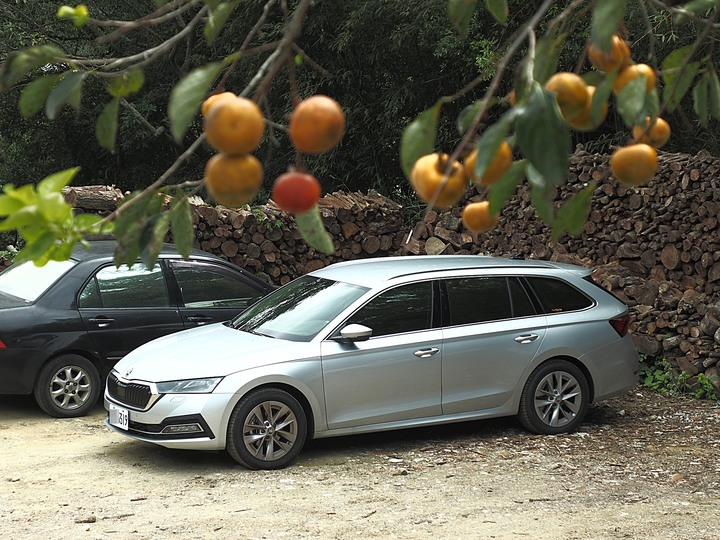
<point>211,100</point>
<point>631,73</point>
<point>655,135</point>
<point>634,164</point>
<point>234,125</point>
<point>316,124</point>
<point>477,217</point>
<point>583,121</point>
<point>571,92</point>
<point>427,176</point>
<point>296,192</point>
<point>617,57</point>
<point>498,166</point>
<point>233,180</point>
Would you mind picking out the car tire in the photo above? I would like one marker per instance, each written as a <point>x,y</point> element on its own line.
<point>555,398</point>
<point>267,429</point>
<point>68,386</point>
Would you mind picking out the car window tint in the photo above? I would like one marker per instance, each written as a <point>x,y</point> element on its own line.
<point>205,285</point>
<point>27,281</point>
<point>478,299</point>
<point>407,308</point>
<point>521,303</point>
<point>557,296</point>
<point>125,287</point>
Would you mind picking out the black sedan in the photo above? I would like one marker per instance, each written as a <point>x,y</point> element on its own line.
<point>65,324</point>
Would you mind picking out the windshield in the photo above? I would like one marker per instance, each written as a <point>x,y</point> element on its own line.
<point>299,310</point>
<point>27,281</point>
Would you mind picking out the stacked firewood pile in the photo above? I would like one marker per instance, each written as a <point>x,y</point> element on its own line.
<point>264,239</point>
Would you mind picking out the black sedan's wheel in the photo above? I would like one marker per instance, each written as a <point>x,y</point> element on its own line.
<point>267,429</point>
<point>555,398</point>
<point>68,386</point>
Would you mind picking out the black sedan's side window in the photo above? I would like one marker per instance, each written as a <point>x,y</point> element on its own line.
<point>207,285</point>
<point>125,287</point>
<point>478,299</point>
<point>403,309</point>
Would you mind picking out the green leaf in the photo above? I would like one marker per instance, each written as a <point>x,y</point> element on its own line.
<point>573,213</point>
<point>542,195</point>
<point>700,99</point>
<point>488,144</point>
<point>602,94</point>
<point>631,101</point>
<point>182,227</point>
<point>547,53</point>
<point>37,249</point>
<point>313,231</point>
<point>498,9</point>
<point>156,233</point>
<point>542,135</point>
<point>86,222</point>
<point>418,139</point>
<point>674,93</point>
<point>55,182</point>
<point>502,190</point>
<point>19,63</point>
<point>468,114</point>
<point>33,96</point>
<point>461,13</point>
<point>27,215</point>
<point>25,194</point>
<point>107,125</point>
<point>714,93</point>
<point>217,19</point>
<point>127,84</point>
<point>131,221</point>
<point>53,208</point>
<point>606,18</point>
<point>187,95</point>
<point>8,205</point>
<point>66,92</point>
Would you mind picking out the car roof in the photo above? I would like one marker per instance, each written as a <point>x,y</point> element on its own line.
<point>102,249</point>
<point>371,272</point>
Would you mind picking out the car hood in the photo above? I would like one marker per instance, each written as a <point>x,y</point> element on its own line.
<point>208,351</point>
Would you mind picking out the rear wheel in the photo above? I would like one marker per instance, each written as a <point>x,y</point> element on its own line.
<point>555,398</point>
<point>267,429</point>
<point>68,386</point>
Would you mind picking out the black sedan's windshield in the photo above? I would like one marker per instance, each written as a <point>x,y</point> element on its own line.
<point>299,310</point>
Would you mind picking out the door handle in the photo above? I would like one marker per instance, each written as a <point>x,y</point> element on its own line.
<point>199,318</point>
<point>102,322</point>
<point>526,338</point>
<point>426,353</point>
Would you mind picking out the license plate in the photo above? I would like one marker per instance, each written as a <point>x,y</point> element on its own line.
<point>119,417</point>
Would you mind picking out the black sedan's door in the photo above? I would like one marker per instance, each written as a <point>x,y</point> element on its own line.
<point>210,292</point>
<point>122,308</point>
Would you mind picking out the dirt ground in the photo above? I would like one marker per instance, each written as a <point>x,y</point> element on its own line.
<point>642,466</point>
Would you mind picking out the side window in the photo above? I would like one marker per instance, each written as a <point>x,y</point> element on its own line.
<point>407,308</point>
<point>556,296</point>
<point>522,306</point>
<point>125,288</point>
<point>478,299</point>
<point>206,285</point>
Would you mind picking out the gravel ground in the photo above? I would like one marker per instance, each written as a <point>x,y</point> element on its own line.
<point>643,466</point>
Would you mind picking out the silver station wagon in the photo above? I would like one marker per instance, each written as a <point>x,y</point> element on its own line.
<point>381,344</point>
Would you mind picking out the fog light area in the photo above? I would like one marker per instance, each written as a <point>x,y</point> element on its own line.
<point>182,428</point>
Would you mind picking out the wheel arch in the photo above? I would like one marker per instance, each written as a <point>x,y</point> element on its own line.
<point>578,364</point>
<point>297,394</point>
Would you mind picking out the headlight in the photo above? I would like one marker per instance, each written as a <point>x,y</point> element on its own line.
<point>189,386</point>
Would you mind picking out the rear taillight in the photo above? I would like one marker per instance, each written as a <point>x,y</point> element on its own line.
<point>621,324</point>
<point>2,345</point>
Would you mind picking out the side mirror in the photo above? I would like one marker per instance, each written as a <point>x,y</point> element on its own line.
<point>355,332</point>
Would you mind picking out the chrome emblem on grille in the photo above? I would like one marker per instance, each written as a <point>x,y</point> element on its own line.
<point>128,372</point>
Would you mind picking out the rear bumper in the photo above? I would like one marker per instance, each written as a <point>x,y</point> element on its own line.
<point>615,368</point>
<point>19,369</point>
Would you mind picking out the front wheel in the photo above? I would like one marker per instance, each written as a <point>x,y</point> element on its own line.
<point>555,398</point>
<point>267,429</point>
<point>68,386</point>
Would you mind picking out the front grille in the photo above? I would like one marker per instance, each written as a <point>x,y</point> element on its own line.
<point>133,395</point>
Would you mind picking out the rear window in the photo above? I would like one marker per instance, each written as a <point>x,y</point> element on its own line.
<point>27,281</point>
<point>557,296</point>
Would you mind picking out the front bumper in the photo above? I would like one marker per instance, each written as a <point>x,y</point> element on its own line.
<point>188,421</point>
